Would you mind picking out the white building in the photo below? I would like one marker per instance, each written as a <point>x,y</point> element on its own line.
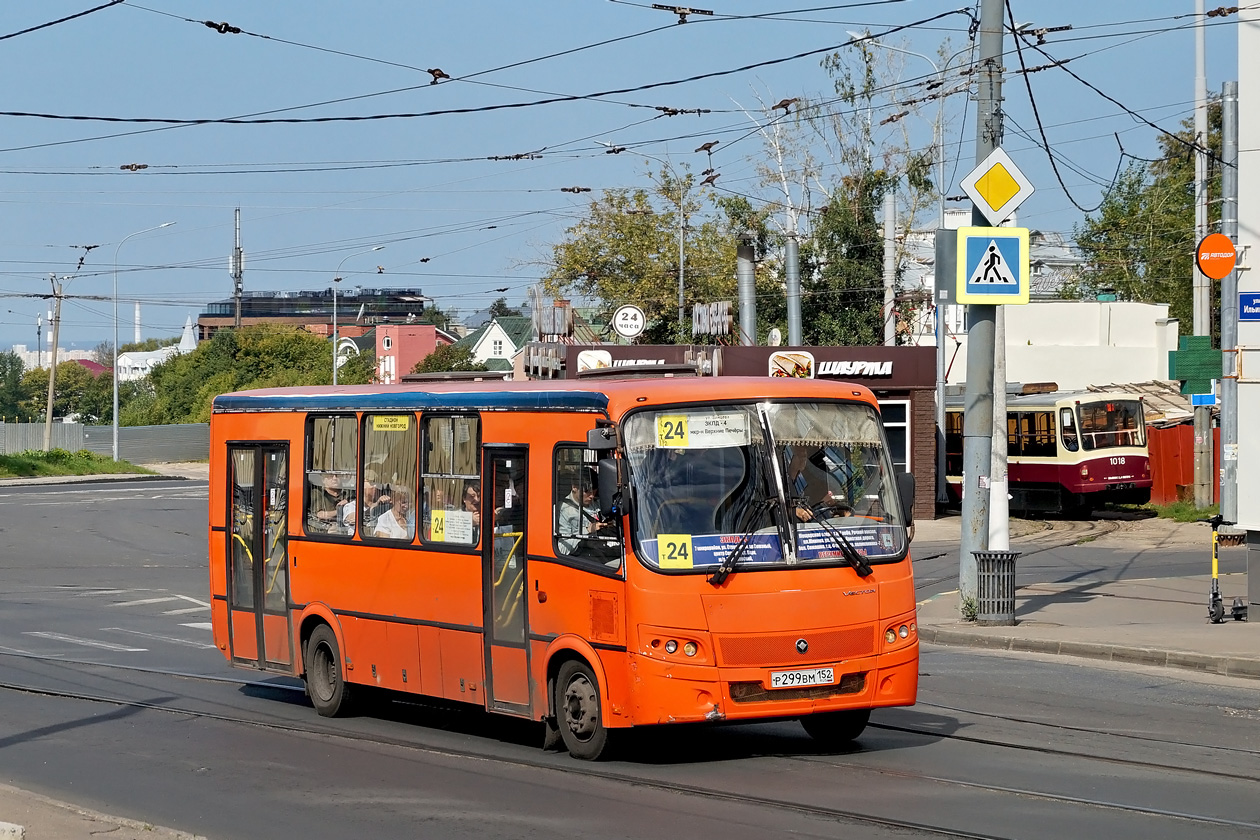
<point>32,359</point>
<point>135,365</point>
<point>1077,343</point>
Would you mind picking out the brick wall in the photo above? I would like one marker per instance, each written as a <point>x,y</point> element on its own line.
<point>923,451</point>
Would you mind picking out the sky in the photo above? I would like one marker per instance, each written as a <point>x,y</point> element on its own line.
<point>463,182</point>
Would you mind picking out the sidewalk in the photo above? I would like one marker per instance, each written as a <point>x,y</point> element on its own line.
<point>28,815</point>
<point>1159,621</point>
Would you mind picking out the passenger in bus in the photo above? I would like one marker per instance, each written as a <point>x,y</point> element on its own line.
<point>329,506</point>
<point>399,522</point>
<point>472,504</point>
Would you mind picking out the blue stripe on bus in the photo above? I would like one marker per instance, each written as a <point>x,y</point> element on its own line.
<point>415,401</point>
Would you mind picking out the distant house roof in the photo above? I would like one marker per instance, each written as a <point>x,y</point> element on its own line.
<point>93,367</point>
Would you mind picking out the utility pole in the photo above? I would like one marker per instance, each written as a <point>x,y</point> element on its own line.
<point>890,267</point>
<point>236,268</point>
<point>1200,283</point>
<point>39,340</point>
<point>52,366</point>
<point>1229,304</point>
<point>978,400</point>
<point>746,286</point>
<point>794,289</point>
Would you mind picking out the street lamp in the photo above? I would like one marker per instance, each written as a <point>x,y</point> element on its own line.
<point>681,227</point>
<point>938,143</point>
<point>336,280</point>
<point>120,244</point>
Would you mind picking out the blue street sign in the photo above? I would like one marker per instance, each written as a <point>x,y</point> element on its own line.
<point>1249,306</point>
<point>992,265</point>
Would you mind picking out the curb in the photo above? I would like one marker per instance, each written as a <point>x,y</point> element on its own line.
<point>87,479</point>
<point>1225,666</point>
<point>10,831</point>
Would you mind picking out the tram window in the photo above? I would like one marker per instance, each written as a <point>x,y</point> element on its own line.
<point>579,531</point>
<point>331,466</point>
<point>450,509</point>
<point>953,443</point>
<point>389,454</point>
<point>1036,432</point>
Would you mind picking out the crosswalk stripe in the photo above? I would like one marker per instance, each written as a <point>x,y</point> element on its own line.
<point>101,592</point>
<point>61,637</point>
<point>198,625</point>
<point>143,601</point>
<point>186,610</point>
<point>170,639</point>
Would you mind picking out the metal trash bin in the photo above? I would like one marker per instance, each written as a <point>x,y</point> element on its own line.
<point>995,588</point>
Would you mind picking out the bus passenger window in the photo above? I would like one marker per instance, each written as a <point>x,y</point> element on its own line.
<point>1070,442</point>
<point>389,454</point>
<point>450,510</point>
<point>579,530</point>
<point>331,466</point>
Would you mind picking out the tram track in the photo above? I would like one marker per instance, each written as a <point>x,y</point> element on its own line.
<point>564,765</point>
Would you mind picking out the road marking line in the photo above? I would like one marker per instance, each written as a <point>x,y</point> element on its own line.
<point>144,601</point>
<point>59,637</point>
<point>170,639</point>
<point>198,625</point>
<point>186,610</point>
<point>101,592</point>
<point>194,601</point>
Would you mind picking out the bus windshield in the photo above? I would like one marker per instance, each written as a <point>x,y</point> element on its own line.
<point>797,479</point>
<point>1111,423</point>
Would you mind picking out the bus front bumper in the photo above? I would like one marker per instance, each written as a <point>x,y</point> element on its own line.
<point>670,692</point>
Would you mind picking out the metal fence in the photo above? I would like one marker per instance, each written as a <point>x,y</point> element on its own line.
<point>19,437</point>
<point>137,444</point>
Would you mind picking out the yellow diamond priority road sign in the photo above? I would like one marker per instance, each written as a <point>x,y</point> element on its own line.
<point>997,187</point>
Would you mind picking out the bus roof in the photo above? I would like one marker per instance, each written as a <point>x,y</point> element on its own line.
<point>614,396</point>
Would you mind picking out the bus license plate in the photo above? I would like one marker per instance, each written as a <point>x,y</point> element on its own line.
<point>795,679</point>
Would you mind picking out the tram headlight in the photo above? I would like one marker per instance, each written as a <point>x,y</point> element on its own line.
<point>671,646</point>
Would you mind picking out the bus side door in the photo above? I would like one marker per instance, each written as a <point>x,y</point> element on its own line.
<point>503,519</point>
<point>258,557</point>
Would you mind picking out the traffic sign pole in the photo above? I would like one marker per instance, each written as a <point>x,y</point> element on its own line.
<point>1229,303</point>
<point>978,405</point>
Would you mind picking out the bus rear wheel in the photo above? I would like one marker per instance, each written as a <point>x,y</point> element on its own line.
<point>325,679</point>
<point>578,713</point>
<point>836,729</point>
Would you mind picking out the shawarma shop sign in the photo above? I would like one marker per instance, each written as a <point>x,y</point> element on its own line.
<point>800,364</point>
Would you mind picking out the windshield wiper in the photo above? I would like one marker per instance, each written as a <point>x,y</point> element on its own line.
<point>851,554</point>
<point>724,569</point>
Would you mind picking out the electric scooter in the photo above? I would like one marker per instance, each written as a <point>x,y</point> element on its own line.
<point>1216,604</point>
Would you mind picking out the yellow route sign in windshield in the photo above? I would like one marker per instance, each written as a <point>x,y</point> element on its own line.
<point>702,430</point>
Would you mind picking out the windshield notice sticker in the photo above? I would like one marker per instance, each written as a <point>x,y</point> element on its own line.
<point>675,551</point>
<point>708,430</point>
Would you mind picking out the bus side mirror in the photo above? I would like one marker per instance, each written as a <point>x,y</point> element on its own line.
<point>905,489</point>
<point>602,439</point>
<point>609,478</point>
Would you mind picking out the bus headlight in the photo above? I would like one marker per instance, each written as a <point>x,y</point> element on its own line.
<point>671,646</point>
<point>891,636</point>
<point>903,631</point>
<point>690,648</point>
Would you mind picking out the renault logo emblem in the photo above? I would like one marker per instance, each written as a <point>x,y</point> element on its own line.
<point>802,646</point>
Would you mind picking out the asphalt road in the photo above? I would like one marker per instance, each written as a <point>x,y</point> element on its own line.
<point>113,698</point>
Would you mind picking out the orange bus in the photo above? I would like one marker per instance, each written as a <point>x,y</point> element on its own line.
<point>592,554</point>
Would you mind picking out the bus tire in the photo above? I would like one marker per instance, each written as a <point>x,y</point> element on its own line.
<point>325,677</point>
<point>836,729</point>
<point>579,716</point>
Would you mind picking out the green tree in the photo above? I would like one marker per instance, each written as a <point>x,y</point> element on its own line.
<point>12,394</point>
<point>1140,243</point>
<point>446,358</point>
<point>500,307</point>
<point>626,251</point>
<point>260,356</point>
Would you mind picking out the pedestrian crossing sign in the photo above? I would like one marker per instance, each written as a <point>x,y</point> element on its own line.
<point>993,265</point>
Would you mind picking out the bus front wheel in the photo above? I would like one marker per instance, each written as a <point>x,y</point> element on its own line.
<point>836,729</point>
<point>578,714</point>
<point>325,682</point>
